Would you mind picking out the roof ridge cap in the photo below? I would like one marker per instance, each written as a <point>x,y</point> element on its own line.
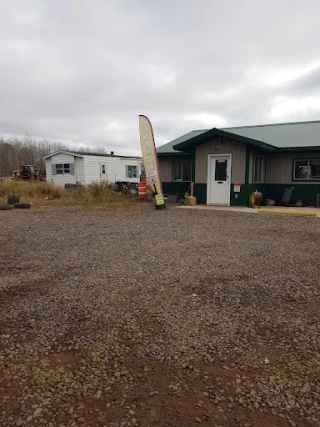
<point>272,124</point>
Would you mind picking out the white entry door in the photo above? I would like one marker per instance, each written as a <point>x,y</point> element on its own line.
<point>219,175</point>
<point>103,171</point>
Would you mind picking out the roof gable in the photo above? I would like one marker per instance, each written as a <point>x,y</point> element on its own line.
<point>69,153</point>
<point>212,133</point>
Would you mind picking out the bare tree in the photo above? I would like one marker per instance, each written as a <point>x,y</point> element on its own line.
<point>89,150</point>
<point>15,152</point>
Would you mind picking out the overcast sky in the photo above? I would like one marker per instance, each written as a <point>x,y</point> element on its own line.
<point>82,71</point>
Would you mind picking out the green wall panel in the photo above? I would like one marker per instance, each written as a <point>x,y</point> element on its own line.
<point>305,192</point>
<point>200,192</point>
<point>175,188</point>
<point>245,191</point>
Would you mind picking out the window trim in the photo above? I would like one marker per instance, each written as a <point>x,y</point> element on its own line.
<point>127,171</point>
<point>63,168</point>
<point>303,159</point>
<point>173,168</point>
<point>263,168</point>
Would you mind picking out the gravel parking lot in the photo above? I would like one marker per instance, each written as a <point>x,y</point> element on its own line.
<point>158,318</point>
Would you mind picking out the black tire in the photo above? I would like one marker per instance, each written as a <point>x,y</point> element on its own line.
<point>22,206</point>
<point>13,198</point>
<point>5,207</point>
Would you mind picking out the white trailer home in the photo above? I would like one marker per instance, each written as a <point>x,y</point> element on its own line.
<point>72,167</point>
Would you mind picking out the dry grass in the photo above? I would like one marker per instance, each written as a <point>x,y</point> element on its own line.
<point>40,193</point>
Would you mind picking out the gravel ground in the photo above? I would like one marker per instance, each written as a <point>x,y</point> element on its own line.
<point>158,318</point>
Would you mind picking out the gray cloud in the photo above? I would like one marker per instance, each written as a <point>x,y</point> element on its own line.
<point>308,84</point>
<point>82,71</point>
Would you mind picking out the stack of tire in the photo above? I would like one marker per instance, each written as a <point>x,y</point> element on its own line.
<point>13,203</point>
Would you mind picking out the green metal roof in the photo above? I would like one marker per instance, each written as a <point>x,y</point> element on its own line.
<point>283,135</point>
<point>280,136</point>
<point>168,148</point>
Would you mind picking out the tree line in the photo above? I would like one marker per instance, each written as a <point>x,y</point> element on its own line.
<point>18,151</point>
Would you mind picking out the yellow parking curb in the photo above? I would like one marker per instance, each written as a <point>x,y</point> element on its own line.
<point>288,212</point>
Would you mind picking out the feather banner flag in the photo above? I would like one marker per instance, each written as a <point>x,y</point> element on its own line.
<point>150,160</point>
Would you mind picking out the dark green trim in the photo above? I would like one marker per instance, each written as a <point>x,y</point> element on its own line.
<point>200,192</point>
<point>207,136</point>
<point>193,167</point>
<point>307,193</point>
<point>178,154</point>
<point>248,151</point>
<point>297,150</point>
<point>274,150</point>
<point>303,180</point>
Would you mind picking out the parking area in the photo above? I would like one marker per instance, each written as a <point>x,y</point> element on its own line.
<point>171,318</point>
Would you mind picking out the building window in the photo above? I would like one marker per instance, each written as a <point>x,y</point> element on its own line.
<point>258,169</point>
<point>306,169</point>
<point>182,169</point>
<point>59,169</point>
<point>62,168</point>
<point>103,169</point>
<point>132,171</point>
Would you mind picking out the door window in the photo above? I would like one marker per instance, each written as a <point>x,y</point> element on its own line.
<point>221,170</point>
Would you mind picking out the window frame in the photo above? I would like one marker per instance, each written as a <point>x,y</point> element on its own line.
<point>64,168</point>
<point>181,159</point>
<point>129,170</point>
<point>262,169</point>
<point>59,169</point>
<point>309,178</point>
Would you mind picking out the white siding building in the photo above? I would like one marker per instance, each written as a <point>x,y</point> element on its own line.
<point>64,167</point>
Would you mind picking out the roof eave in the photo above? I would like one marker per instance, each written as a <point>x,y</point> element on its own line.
<point>62,152</point>
<point>217,132</point>
<point>178,153</point>
<point>297,149</point>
